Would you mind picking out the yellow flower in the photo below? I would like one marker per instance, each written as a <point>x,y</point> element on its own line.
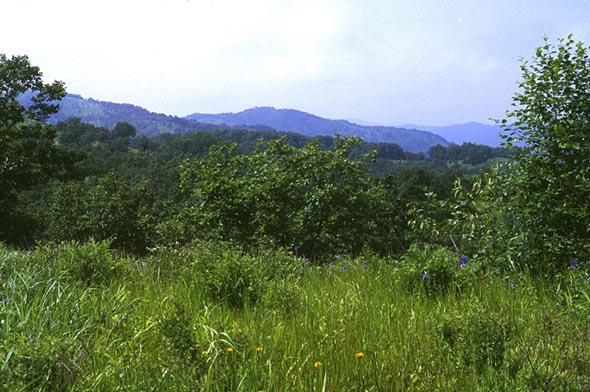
<point>197,345</point>
<point>359,355</point>
<point>259,349</point>
<point>229,350</point>
<point>317,364</point>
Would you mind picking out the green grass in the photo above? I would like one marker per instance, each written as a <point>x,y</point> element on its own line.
<point>166,322</point>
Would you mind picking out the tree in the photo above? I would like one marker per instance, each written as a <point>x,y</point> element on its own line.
<point>114,209</point>
<point>28,155</point>
<point>320,200</point>
<point>549,132</point>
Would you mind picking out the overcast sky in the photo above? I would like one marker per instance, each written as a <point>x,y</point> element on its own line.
<point>389,62</point>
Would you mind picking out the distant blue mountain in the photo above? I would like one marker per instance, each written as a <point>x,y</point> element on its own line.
<point>471,132</point>
<point>410,140</point>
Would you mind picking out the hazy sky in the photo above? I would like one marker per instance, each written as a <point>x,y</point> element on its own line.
<point>432,62</point>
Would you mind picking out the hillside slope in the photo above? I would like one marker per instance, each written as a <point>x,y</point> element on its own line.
<point>310,125</point>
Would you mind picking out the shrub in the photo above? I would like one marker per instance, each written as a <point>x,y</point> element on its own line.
<point>435,268</point>
<point>90,264</point>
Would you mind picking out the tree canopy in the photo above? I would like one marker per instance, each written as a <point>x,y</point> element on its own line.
<point>28,154</point>
<point>549,132</point>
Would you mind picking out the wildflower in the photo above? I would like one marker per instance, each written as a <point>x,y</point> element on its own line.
<point>317,364</point>
<point>343,268</point>
<point>259,349</point>
<point>229,350</point>
<point>366,266</point>
<point>295,248</point>
<point>512,284</point>
<point>121,372</point>
<point>359,355</point>
<point>338,255</point>
<point>463,260</point>
<point>331,264</point>
<point>304,256</point>
<point>587,277</point>
<point>574,265</point>
<point>197,345</point>
<point>424,276</point>
<point>4,301</point>
<point>291,253</point>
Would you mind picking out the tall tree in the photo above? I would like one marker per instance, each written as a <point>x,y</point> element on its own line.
<point>549,182</point>
<point>28,155</point>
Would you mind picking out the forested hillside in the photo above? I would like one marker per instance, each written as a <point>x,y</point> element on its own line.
<point>107,114</point>
<point>294,120</point>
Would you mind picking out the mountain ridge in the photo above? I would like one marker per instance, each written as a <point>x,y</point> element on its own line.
<point>147,123</point>
<point>307,124</point>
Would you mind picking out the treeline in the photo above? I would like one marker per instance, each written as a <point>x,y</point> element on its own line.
<point>256,188</point>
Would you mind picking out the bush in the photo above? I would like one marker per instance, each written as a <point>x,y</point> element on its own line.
<point>90,264</point>
<point>229,275</point>
<point>476,337</point>
<point>436,269</point>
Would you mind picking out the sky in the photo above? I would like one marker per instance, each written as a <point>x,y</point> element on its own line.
<point>386,62</point>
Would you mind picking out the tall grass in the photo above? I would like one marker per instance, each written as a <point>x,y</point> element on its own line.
<point>214,319</point>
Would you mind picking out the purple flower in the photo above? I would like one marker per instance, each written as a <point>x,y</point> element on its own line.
<point>295,248</point>
<point>587,277</point>
<point>574,265</point>
<point>331,264</point>
<point>424,276</point>
<point>304,256</point>
<point>338,255</point>
<point>512,284</point>
<point>343,268</point>
<point>121,372</point>
<point>366,266</point>
<point>4,300</point>
<point>463,260</point>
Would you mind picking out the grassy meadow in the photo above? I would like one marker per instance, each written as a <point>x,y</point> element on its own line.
<point>81,317</point>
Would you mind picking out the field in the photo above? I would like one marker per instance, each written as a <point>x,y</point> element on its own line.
<point>207,317</point>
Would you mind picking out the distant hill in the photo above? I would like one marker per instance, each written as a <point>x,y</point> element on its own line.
<point>107,114</point>
<point>410,140</point>
<point>471,132</point>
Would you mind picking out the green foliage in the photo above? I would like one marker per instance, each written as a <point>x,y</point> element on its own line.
<point>157,327</point>
<point>113,209</point>
<point>317,199</point>
<point>474,222</point>
<point>46,364</point>
<point>28,155</point>
<point>232,278</point>
<point>89,264</point>
<point>549,181</point>
<point>469,153</point>
<point>436,270</point>
<point>476,337</point>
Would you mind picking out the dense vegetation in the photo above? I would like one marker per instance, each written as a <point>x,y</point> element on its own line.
<point>259,260</point>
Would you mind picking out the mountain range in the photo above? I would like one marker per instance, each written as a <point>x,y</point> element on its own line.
<point>410,137</point>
